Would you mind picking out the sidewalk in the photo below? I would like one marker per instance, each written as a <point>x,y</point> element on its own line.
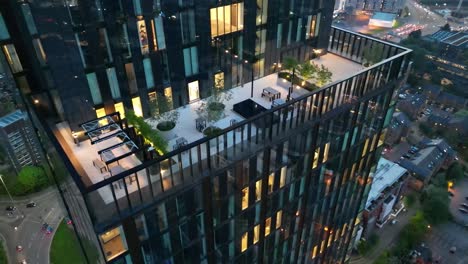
<point>387,236</point>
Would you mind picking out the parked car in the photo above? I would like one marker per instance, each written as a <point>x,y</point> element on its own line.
<point>10,208</point>
<point>31,204</point>
<point>464,205</point>
<point>19,248</point>
<point>463,210</point>
<point>453,250</point>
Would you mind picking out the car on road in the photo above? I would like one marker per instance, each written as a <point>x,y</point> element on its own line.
<point>49,230</point>
<point>23,262</point>
<point>463,210</point>
<point>19,248</point>
<point>453,250</point>
<point>10,208</point>
<point>31,205</point>
<point>464,205</point>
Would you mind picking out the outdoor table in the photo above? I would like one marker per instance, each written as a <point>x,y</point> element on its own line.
<point>294,95</point>
<point>180,142</point>
<point>271,93</point>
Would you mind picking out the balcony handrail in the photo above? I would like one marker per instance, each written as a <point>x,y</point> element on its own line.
<point>240,124</point>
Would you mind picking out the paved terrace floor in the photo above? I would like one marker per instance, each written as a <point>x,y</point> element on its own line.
<point>340,67</point>
<point>84,154</point>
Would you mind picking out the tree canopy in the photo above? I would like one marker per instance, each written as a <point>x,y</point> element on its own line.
<point>32,178</point>
<point>455,172</point>
<point>436,205</point>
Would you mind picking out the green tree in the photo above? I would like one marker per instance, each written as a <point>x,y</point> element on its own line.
<point>212,110</point>
<point>307,70</point>
<point>31,178</point>
<point>163,111</point>
<point>151,135</point>
<point>410,199</point>
<point>455,172</point>
<point>324,76</point>
<point>436,205</point>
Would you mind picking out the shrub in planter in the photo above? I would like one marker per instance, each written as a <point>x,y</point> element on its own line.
<point>212,131</point>
<point>166,125</point>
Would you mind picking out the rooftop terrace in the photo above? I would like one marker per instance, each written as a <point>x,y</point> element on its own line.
<point>118,187</point>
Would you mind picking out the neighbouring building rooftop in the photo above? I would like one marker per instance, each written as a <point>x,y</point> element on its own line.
<point>387,173</point>
<point>11,118</point>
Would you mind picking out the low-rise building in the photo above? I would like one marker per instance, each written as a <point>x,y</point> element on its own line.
<point>390,6</point>
<point>398,129</point>
<point>18,140</point>
<point>388,186</point>
<point>412,105</point>
<point>433,155</point>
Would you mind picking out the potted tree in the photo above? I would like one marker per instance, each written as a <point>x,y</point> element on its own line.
<point>212,110</point>
<point>164,114</point>
<point>323,76</point>
<point>291,65</point>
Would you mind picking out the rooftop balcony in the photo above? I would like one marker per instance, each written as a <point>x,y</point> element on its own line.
<point>128,181</point>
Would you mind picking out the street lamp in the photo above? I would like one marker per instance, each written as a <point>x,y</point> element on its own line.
<point>251,76</point>
<point>8,192</point>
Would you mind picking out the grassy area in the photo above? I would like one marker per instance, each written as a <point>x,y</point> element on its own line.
<point>66,249</point>
<point>3,256</point>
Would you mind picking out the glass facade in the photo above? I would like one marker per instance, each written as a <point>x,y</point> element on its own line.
<point>285,186</point>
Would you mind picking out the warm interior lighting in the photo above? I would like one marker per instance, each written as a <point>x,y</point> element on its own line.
<point>450,184</point>
<point>245,198</point>
<point>36,101</point>
<point>244,240</point>
<point>137,106</point>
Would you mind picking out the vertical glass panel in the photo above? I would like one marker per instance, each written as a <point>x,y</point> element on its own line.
<point>325,152</point>
<point>290,24</point>
<point>113,242</point>
<point>298,31</point>
<point>137,7</point>
<point>100,112</point>
<point>187,26</point>
<point>317,27</point>
<point>3,29</point>
<point>137,106</point>
<point>41,56</point>
<point>245,198</point>
<point>279,216</point>
<point>132,83</point>
<point>193,91</point>
<point>244,241</point>
<point>187,62</point>
<point>104,43</point>
<point>160,33</point>
<point>143,36</point>
<point>271,181</point>
<point>94,88</point>
<point>12,58</point>
<point>29,19</point>
<point>279,36</point>
<point>194,57</point>
<point>113,83</point>
<point>148,73</point>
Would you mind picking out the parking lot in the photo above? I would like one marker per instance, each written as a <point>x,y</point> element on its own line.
<point>441,238</point>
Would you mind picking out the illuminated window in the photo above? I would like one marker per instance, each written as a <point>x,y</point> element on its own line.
<point>193,91</point>
<point>160,37</point>
<point>271,182</point>
<point>100,112</point>
<point>137,106</point>
<point>113,242</point>
<point>314,252</point>
<point>132,83</point>
<point>267,226</point>
<point>143,36</point>
<point>316,156</point>
<point>325,152</point>
<point>245,198</point>
<point>244,241</point>
<point>364,150</point>
<point>226,19</point>
<point>283,176</point>
<point>256,234</point>
<point>262,12</point>
<point>310,31</point>
<point>382,137</point>
<point>12,58</point>
<point>120,108</point>
<point>279,216</point>
<point>39,51</point>
<point>258,190</point>
<point>219,80</point>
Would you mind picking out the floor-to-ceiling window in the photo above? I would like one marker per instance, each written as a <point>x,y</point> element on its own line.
<point>226,19</point>
<point>193,91</point>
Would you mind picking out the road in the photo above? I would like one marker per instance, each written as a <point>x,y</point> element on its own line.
<point>29,234</point>
<point>460,191</point>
